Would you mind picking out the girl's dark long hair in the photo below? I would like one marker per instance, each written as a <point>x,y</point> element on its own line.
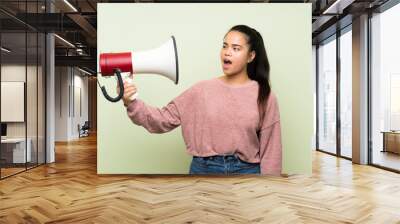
<point>259,68</point>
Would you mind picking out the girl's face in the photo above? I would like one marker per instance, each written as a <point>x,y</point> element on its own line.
<point>235,53</point>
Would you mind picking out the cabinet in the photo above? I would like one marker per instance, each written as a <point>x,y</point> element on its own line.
<point>391,141</point>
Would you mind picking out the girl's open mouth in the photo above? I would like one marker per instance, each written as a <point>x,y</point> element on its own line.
<point>226,63</point>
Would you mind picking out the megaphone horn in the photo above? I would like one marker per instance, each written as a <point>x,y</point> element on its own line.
<point>162,61</point>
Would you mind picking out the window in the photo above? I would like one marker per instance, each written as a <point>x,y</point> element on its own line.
<point>385,88</point>
<point>22,66</point>
<point>327,96</point>
<point>346,93</point>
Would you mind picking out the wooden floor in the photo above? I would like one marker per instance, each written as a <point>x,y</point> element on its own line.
<point>5,172</point>
<point>70,191</point>
<point>387,159</point>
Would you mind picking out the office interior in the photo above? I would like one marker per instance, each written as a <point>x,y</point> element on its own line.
<point>49,87</point>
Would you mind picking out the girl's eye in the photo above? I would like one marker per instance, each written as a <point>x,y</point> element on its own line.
<point>236,49</point>
<point>224,46</point>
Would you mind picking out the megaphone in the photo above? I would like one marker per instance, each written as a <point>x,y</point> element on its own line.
<point>162,61</point>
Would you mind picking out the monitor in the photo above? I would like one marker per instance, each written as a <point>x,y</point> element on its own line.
<point>3,129</point>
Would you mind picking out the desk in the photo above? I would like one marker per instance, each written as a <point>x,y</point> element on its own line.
<point>17,150</point>
<point>391,141</point>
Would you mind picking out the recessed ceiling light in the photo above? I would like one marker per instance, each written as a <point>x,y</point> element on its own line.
<point>337,7</point>
<point>70,5</point>
<point>5,50</point>
<point>84,71</point>
<point>64,40</point>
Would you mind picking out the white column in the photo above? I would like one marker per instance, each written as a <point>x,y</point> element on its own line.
<point>50,99</point>
<point>360,90</point>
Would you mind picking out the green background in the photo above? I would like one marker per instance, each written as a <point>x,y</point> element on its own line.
<point>124,148</point>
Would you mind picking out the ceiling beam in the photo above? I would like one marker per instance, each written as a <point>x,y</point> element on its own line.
<point>83,61</point>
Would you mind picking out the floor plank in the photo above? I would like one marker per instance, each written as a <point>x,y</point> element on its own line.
<point>70,191</point>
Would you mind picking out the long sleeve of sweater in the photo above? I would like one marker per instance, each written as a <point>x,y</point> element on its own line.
<point>160,120</point>
<point>270,140</point>
<point>155,120</point>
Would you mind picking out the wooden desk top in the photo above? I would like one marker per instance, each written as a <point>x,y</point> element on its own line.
<point>13,140</point>
<point>391,132</point>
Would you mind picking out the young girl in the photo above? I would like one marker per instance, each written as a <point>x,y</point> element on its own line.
<point>230,124</point>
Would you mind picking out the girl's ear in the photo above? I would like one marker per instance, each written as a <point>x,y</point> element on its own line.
<point>252,56</point>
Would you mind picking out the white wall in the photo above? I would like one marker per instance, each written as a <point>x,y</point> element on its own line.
<point>61,103</point>
<point>71,93</point>
<point>16,73</point>
<point>33,126</point>
<point>80,102</point>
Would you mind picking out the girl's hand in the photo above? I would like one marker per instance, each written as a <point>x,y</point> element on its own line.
<point>129,90</point>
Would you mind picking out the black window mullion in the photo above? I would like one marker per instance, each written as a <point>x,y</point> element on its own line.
<point>317,95</point>
<point>44,77</point>
<point>26,87</point>
<point>338,82</point>
<point>369,90</point>
<point>37,90</point>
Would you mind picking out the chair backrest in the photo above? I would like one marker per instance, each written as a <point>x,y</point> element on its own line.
<point>86,125</point>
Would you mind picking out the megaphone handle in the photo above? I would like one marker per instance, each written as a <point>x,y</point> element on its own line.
<point>130,80</point>
<point>121,89</point>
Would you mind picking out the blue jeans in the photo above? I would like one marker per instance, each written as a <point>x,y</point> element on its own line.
<point>229,164</point>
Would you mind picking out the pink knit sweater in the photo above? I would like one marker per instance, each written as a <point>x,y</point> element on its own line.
<point>219,119</point>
